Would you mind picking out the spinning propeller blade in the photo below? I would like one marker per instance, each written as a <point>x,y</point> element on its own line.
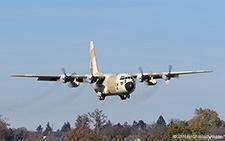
<point>67,78</point>
<point>168,76</point>
<point>144,78</point>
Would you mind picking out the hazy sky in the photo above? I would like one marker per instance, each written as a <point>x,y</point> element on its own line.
<point>41,37</point>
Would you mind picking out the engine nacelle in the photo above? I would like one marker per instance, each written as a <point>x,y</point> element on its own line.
<point>73,84</point>
<point>151,82</point>
<point>164,77</point>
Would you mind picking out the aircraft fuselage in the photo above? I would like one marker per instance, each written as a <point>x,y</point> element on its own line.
<point>115,84</point>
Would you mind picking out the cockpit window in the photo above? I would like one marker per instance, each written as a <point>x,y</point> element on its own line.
<point>122,78</point>
<point>128,77</point>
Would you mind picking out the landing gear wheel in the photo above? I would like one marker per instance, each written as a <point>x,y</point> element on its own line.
<point>123,97</point>
<point>102,97</point>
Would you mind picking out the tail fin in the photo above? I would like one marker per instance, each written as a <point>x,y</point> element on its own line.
<point>93,62</point>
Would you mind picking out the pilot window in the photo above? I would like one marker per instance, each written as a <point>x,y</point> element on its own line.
<point>128,77</point>
<point>122,78</point>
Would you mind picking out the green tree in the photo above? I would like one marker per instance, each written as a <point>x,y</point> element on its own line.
<point>66,127</point>
<point>205,118</point>
<point>98,119</point>
<point>108,131</point>
<point>82,130</point>
<point>5,133</point>
<point>126,130</point>
<point>20,133</point>
<point>144,136</point>
<point>82,121</point>
<point>161,121</point>
<point>135,124</point>
<point>157,131</point>
<point>39,129</point>
<point>141,124</point>
<point>174,128</point>
<point>119,138</point>
<point>47,129</point>
<point>179,127</point>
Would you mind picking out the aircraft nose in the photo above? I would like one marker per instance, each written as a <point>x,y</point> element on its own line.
<point>129,86</point>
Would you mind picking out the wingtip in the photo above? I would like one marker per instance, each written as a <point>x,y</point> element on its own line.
<point>91,44</point>
<point>15,75</point>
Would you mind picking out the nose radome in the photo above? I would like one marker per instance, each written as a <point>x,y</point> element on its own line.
<point>129,86</point>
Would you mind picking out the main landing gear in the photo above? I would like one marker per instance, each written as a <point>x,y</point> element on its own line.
<point>125,96</point>
<point>102,97</point>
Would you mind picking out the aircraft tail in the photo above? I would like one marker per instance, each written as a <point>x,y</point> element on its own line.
<point>93,62</point>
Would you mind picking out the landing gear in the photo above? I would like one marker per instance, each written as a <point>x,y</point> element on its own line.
<point>102,97</point>
<point>125,96</point>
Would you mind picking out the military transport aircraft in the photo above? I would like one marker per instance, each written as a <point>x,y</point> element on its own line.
<point>122,84</point>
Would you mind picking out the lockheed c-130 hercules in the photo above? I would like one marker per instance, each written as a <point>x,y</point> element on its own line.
<point>122,84</point>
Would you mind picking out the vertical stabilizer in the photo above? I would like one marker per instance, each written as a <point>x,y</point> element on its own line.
<point>93,62</point>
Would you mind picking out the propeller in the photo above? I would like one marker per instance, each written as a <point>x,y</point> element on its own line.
<point>144,78</point>
<point>67,78</point>
<point>142,75</point>
<point>168,76</point>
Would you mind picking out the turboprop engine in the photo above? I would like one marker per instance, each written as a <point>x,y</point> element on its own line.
<point>148,80</point>
<point>73,84</point>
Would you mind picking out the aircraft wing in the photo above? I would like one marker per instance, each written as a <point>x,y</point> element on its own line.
<point>79,78</point>
<point>160,75</point>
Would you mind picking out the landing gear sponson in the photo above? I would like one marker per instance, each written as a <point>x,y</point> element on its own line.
<point>123,97</point>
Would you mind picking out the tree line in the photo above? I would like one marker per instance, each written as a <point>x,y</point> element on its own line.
<point>204,122</point>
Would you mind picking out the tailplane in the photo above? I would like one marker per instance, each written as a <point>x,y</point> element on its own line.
<point>93,62</point>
